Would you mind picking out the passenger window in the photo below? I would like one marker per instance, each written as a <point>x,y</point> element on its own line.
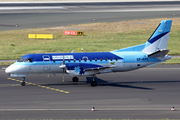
<point>111,59</point>
<point>91,59</point>
<point>79,60</point>
<point>100,59</point>
<point>116,59</point>
<point>74,60</point>
<point>106,59</point>
<point>95,59</point>
<point>69,60</point>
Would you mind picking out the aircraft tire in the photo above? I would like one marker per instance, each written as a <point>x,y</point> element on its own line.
<point>75,79</point>
<point>93,83</point>
<point>23,84</point>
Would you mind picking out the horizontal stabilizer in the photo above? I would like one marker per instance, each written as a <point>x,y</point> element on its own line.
<point>100,68</point>
<point>160,53</point>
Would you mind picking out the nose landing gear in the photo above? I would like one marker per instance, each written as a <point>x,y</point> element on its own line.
<point>23,81</point>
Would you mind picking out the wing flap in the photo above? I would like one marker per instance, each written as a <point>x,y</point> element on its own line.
<point>100,68</point>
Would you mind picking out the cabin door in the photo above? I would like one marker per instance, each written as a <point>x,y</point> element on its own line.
<point>46,62</point>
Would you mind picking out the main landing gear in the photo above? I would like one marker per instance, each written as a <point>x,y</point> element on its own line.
<point>75,79</point>
<point>23,81</point>
<point>93,82</point>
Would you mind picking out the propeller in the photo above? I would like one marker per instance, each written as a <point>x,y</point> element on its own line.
<point>63,66</point>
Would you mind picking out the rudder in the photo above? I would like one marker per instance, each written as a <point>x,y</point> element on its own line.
<point>159,38</point>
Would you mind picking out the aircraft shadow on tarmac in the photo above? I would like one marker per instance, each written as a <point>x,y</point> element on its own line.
<point>101,82</point>
<point>115,84</point>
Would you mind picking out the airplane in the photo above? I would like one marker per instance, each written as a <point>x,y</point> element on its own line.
<point>152,52</point>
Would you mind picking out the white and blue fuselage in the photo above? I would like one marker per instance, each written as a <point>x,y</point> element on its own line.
<point>77,63</point>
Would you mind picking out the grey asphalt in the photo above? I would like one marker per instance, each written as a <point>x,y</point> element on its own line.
<point>43,20</point>
<point>78,13</point>
<point>147,93</point>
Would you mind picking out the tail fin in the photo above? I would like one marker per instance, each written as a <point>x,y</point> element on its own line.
<point>159,39</point>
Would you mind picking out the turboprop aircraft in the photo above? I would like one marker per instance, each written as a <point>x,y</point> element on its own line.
<point>152,52</point>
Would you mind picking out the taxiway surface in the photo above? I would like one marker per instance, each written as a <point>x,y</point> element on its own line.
<point>147,93</point>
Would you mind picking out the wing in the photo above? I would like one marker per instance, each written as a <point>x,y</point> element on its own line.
<point>79,69</point>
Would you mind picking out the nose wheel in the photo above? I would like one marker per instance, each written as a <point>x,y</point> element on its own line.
<point>23,81</point>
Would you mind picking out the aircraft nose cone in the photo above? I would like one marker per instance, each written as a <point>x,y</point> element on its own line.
<point>9,69</point>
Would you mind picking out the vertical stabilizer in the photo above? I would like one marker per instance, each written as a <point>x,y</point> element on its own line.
<point>159,39</point>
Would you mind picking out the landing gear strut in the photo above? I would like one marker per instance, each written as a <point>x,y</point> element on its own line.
<point>75,79</point>
<point>93,82</point>
<point>23,81</point>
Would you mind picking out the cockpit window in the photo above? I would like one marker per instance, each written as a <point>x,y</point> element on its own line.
<point>25,60</point>
<point>21,60</point>
<point>29,60</point>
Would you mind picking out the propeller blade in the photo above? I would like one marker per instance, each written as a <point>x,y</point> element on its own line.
<point>63,60</point>
<point>63,66</point>
<point>63,75</point>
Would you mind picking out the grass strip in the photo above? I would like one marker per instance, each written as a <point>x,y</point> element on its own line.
<point>98,37</point>
<point>172,61</point>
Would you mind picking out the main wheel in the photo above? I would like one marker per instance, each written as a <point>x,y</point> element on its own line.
<point>23,83</point>
<point>75,79</point>
<point>93,83</point>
